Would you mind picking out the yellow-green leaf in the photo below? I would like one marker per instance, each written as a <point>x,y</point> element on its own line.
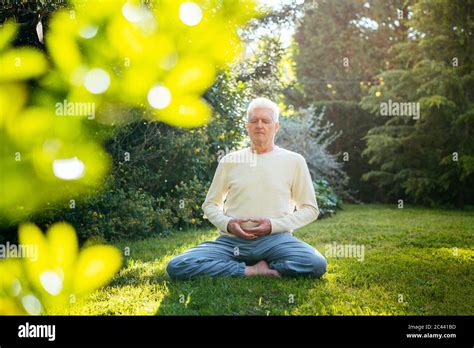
<point>21,64</point>
<point>7,33</point>
<point>31,238</point>
<point>186,112</point>
<point>63,246</point>
<point>95,268</point>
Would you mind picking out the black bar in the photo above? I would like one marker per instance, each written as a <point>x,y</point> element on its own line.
<point>135,330</point>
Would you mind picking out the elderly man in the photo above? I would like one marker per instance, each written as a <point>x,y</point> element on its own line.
<point>252,201</point>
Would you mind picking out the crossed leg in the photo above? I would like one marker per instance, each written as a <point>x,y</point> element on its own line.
<point>290,256</point>
<point>283,252</point>
<point>213,258</point>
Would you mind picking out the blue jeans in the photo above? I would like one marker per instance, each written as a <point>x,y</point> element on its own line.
<point>228,256</point>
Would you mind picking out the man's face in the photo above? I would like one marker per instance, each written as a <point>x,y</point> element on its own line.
<point>261,127</point>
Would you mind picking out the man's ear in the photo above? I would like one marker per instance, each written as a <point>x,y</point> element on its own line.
<point>277,126</point>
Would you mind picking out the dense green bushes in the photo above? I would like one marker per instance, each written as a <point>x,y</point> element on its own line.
<point>118,213</point>
<point>328,200</point>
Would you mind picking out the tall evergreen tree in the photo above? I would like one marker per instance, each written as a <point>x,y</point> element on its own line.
<point>343,45</point>
<point>428,159</point>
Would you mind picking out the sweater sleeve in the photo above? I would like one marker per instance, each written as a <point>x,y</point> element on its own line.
<point>213,206</point>
<point>302,192</point>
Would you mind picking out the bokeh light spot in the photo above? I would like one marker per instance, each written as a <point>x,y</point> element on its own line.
<point>190,13</point>
<point>51,282</point>
<point>159,97</point>
<point>134,13</point>
<point>88,31</point>
<point>31,304</point>
<point>68,169</point>
<point>97,81</point>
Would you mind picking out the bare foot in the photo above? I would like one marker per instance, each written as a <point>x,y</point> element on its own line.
<point>261,268</point>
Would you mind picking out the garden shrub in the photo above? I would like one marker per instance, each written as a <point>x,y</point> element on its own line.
<point>128,213</point>
<point>328,200</point>
<point>310,134</point>
<point>185,201</point>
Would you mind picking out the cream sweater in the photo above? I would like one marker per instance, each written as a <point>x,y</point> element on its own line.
<point>269,185</point>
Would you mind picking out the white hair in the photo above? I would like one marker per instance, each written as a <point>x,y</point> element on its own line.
<point>264,103</point>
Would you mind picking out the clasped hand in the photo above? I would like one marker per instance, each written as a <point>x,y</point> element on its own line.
<point>263,228</point>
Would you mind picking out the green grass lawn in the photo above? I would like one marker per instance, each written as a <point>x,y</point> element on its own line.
<point>417,261</point>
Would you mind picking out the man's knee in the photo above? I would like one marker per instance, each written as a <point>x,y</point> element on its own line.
<point>175,268</point>
<point>319,265</point>
<point>307,264</point>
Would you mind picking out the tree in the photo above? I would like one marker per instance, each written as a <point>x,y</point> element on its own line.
<point>342,46</point>
<point>428,158</point>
